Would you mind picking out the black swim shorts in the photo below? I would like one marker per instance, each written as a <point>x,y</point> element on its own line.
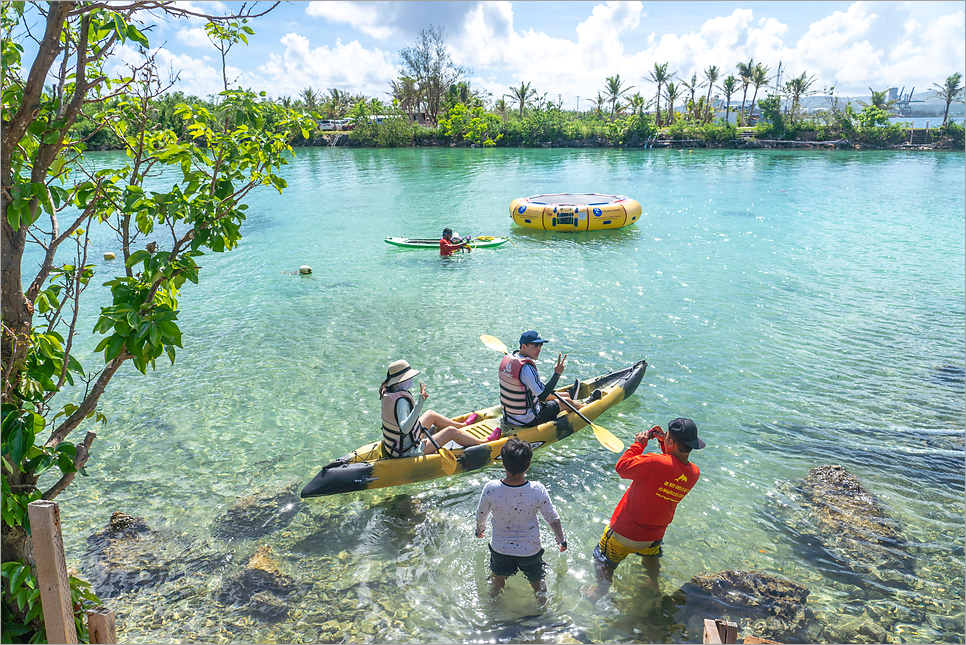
<point>532,566</point>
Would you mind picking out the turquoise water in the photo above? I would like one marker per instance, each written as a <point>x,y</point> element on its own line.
<point>803,308</point>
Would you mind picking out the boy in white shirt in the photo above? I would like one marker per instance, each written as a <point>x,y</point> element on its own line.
<point>514,503</point>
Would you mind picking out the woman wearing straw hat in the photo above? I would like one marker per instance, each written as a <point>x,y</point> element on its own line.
<point>402,424</point>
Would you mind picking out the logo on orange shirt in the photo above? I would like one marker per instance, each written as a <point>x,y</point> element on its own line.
<point>682,478</point>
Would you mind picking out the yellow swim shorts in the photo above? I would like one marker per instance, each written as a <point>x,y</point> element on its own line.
<point>613,548</point>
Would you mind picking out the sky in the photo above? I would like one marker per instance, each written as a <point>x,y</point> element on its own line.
<point>568,49</point>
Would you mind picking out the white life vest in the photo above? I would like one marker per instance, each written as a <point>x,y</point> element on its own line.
<point>515,397</point>
<point>396,441</point>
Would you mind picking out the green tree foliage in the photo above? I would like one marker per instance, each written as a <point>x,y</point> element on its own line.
<point>950,91</point>
<point>615,91</point>
<point>659,76</point>
<point>729,86</point>
<point>429,63</point>
<point>523,96</point>
<point>214,159</point>
<point>471,124</point>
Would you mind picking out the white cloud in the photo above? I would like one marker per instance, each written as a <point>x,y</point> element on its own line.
<point>195,37</point>
<point>878,44</point>
<point>348,67</point>
<point>367,17</point>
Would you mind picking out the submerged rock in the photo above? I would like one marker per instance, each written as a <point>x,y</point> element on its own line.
<point>259,586</point>
<point>763,605</point>
<point>853,525</point>
<point>128,555</point>
<point>260,514</point>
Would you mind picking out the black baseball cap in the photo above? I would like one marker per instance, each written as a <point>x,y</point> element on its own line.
<point>531,338</point>
<point>684,431</point>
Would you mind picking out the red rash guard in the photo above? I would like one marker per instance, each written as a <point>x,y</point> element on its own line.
<point>660,481</point>
<point>447,248</point>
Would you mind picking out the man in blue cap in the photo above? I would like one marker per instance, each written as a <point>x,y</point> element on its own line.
<point>522,394</point>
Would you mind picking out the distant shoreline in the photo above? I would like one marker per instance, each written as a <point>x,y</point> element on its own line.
<point>916,141</point>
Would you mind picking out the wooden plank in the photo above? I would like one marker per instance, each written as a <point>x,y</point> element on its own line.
<point>727,631</point>
<point>100,623</point>
<point>711,632</point>
<point>52,571</point>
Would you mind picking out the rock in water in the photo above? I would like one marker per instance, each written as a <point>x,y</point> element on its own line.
<point>853,525</point>
<point>259,514</point>
<point>128,555</point>
<point>259,586</point>
<point>762,604</point>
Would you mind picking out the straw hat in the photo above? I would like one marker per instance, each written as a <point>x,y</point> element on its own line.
<point>398,372</point>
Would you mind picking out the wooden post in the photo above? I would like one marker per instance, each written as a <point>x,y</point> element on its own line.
<point>927,132</point>
<point>711,635</point>
<point>52,571</point>
<point>100,623</point>
<point>720,631</point>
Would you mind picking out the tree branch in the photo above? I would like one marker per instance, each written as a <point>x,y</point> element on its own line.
<point>80,459</point>
<point>89,404</point>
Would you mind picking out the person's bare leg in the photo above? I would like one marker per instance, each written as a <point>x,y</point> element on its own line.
<point>540,588</point>
<point>496,585</point>
<point>446,435</point>
<point>652,567</point>
<point>432,418</point>
<point>605,576</point>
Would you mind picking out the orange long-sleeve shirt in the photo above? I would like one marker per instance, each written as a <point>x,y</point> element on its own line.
<point>659,482</point>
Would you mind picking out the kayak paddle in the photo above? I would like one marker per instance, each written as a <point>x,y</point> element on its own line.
<point>605,437</point>
<point>449,459</point>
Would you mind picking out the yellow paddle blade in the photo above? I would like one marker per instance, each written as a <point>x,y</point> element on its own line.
<point>449,461</point>
<point>607,439</point>
<point>493,343</point>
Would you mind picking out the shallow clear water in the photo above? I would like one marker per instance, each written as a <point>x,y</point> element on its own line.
<point>803,308</point>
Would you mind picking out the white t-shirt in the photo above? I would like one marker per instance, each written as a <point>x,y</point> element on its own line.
<point>514,509</point>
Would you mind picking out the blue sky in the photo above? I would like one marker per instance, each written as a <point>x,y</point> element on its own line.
<point>569,48</point>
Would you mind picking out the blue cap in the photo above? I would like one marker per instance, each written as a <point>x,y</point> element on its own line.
<point>531,338</point>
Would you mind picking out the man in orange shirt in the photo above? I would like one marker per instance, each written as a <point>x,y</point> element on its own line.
<point>446,245</point>
<point>658,483</point>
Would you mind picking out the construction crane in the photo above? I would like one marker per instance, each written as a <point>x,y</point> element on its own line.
<point>901,101</point>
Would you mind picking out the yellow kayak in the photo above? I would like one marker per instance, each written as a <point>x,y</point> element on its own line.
<point>370,467</point>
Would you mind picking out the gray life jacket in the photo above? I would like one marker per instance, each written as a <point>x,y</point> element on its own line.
<point>395,440</point>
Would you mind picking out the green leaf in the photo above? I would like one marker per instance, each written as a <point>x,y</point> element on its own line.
<point>137,36</point>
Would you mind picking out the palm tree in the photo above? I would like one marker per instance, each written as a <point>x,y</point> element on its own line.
<point>745,70</point>
<point>759,77</point>
<point>671,93</point>
<point>600,105</point>
<point>691,87</point>
<point>500,107</point>
<point>797,88</point>
<point>729,86</point>
<point>405,94</point>
<point>878,100</point>
<point>660,76</point>
<point>523,95</point>
<point>711,77</point>
<point>309,97</point>
<point>637,104</point>
<point>615,91</point>
<point>951,90</point>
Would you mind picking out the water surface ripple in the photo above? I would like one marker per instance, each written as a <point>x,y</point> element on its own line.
<point>805,309</point>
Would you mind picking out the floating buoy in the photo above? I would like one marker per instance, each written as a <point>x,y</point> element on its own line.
<point>109,256</point>
<point>305,269</point>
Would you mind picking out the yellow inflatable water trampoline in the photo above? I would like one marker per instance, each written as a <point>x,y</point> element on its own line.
<point>575,212</point>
